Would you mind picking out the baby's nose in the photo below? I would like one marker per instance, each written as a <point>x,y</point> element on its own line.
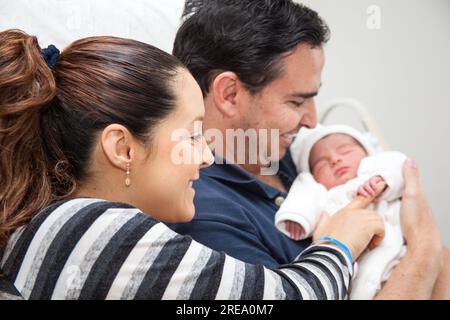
<point>335,160</point>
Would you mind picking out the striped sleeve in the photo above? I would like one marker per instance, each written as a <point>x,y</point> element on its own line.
<point>87,249</point>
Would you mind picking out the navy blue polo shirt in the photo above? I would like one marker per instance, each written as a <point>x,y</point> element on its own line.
<point>235,213</point>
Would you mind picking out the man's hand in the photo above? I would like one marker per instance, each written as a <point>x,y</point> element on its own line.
<point>415,276</point>
<point>417,220</point>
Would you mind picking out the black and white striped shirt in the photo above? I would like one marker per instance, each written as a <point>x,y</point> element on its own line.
<point>93,249</point>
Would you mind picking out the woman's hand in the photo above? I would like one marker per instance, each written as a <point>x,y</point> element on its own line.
<point>354,225</point>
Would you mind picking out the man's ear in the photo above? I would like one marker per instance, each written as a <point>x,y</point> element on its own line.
<point>117,145</point>
<point>224,90</point>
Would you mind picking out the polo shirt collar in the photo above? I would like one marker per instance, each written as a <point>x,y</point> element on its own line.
<point>232,173</point>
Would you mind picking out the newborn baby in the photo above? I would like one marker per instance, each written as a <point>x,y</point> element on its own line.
<point>336,164</point>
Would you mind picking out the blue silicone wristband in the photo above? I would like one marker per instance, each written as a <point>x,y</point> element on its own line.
<point>340,244</point>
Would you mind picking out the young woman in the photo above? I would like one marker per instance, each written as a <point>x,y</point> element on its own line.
<point>90,170</point>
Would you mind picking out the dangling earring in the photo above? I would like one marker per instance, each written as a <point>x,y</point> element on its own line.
<point>127,179</point>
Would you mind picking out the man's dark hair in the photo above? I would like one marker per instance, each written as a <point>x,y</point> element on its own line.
<point>248,37</point>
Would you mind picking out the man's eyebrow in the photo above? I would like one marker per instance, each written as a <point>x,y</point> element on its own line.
<point>305,95</point>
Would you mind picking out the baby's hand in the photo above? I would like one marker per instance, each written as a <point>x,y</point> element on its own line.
<point>372,187</point>
<point>295,230</point>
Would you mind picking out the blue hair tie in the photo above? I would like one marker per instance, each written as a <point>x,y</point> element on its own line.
<point>50,54</point>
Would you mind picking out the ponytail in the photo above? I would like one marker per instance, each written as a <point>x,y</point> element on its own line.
<point>27,171</point>
<point>50,118</point>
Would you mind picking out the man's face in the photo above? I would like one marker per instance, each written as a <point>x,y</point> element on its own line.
<point>287,103</point>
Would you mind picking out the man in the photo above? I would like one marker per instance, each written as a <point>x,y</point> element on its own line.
<point>259,66</point>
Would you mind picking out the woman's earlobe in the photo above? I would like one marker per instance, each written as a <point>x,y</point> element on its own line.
<point>131,152</point>
<point>116,145</point>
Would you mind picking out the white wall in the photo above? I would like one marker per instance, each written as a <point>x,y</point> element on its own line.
<point>401,72</point>
<point>60,22</point>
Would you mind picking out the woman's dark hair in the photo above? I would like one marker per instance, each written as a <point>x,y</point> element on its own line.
<point>50,118</point>
<point>248,37</point>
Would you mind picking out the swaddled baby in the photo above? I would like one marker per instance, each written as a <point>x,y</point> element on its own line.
<point>336,163</point>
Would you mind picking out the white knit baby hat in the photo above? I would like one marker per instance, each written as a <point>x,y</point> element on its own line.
<point>307,138</point>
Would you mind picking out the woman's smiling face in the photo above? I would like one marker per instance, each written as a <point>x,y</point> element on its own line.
<point>179,150</point>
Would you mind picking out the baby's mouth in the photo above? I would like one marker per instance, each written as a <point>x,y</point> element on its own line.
<point>339,172</point>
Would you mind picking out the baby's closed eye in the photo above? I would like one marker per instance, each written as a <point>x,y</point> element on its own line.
<point>319,165</point>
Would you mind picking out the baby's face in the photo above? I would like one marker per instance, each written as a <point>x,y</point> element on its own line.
<point>335,159</point>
